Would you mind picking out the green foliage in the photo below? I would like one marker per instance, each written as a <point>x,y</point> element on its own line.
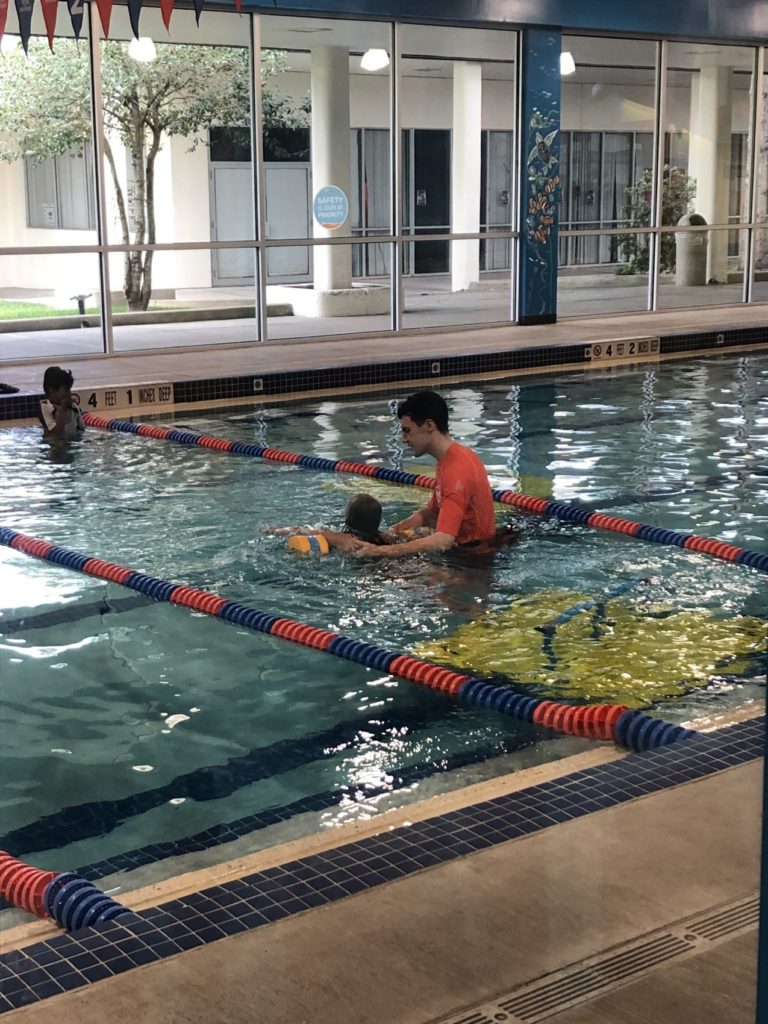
<point>677,195</point>
<point>45,98</point>
<point>45,112</point>
<point>34,310</point>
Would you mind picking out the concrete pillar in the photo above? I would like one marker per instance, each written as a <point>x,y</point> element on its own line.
<point>465,171</point>
<point>330,156</point>
<point>710,159</point>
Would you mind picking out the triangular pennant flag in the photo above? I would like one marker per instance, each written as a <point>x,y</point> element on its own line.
<point>105,14</point>
<point>166,6</point>
<point>198,10</point>
<point>239,6</point>
<point>50,10</point>
<point>134,10</point>
<point>24,11</point>
<point>3,16</point>
<point>76,16</point>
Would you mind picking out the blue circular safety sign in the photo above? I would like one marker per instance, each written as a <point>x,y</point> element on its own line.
<point>331,207</point>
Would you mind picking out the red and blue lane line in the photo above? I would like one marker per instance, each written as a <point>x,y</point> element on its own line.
<point>625,726</point>
<point>73,902</point>
<point>527,503</point>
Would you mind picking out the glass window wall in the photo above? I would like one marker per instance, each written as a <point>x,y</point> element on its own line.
<point>47,196</point>
<point>705,175</point>
<point>606,159</point>
<point>193,225</point>
<point>458,167</point>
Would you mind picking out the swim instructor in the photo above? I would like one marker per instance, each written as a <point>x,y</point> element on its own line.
<point>461,507</point>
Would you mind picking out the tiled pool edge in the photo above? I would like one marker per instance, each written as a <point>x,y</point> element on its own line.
<point>67,962</point>
<point>272,385</point>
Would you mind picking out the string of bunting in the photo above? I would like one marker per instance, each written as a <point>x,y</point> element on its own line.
<point>25,10</point>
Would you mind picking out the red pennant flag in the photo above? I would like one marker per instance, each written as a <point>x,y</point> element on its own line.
<point>105,14</point>
<point>3,16</point>
<point>24,11</point>
<point>239,6</point>
<point>166,6</point>
<point>50,10</point>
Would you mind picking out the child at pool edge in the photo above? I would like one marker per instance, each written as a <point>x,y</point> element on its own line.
<point>362,520</point>
<point>59,411</point>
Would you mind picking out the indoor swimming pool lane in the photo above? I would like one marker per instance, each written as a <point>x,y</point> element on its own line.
<point>142,732</point>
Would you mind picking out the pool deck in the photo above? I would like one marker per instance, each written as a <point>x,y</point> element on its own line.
<point>208,360</point>
<point>486,934</point>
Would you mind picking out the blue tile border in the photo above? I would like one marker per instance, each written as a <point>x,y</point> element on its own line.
<point>71,961</point>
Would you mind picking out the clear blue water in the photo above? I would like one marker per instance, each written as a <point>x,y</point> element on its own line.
<point>127,723</point>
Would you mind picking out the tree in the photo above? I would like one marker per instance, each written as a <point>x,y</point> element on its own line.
<point>45,112</point>
<point>677,193</point>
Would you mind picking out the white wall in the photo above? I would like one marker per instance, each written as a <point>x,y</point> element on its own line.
<point>61,275</point>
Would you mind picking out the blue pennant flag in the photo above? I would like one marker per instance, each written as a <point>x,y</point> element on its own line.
<point>134,10</point>
<point>24,11</point>
<point>198,10</point>
<point>76,16</point>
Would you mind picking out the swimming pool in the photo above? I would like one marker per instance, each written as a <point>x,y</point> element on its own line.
<point>136,732</point>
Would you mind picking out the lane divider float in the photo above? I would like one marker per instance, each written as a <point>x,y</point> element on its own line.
<point>73,902</point>
<point>616,722</point>
<point>540,506</point>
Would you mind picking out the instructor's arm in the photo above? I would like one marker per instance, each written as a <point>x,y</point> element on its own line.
<point>436,541</point>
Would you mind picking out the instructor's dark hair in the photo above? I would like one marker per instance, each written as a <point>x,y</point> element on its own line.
<point>55,377</point>
<point>425,405</point>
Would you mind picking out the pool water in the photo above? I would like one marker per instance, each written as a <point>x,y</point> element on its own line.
<point>132,726</point>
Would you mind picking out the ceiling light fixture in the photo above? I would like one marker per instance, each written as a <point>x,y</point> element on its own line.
<point>142,49</point>
<point>567,63</point>
<point>374,60</point>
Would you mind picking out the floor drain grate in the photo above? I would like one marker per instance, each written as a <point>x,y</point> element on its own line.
<point>553,993</point>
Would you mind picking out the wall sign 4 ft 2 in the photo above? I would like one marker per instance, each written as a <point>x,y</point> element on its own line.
<point>629,349</point>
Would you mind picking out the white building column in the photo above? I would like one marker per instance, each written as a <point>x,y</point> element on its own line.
<point>710,159</point>
<point>465,172</point>
<point>330,156</point>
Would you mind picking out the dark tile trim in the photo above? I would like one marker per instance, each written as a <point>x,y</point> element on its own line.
<point>72,961</point>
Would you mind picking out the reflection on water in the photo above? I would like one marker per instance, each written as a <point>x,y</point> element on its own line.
<point>117,699</point>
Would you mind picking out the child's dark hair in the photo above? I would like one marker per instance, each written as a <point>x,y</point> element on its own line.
<point>425,405</point>
<point>55,377</point>
<point>363,516</point>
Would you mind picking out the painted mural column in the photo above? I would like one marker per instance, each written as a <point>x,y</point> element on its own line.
<point>539,175</point>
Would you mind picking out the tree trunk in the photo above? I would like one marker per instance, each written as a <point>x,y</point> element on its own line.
<point>146,285</point>
<point>137,200</point>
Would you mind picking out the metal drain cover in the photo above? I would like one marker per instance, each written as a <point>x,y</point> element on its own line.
<point>613,968</point>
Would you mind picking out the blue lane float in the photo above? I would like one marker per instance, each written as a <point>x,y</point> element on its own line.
<point>73,902</point>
